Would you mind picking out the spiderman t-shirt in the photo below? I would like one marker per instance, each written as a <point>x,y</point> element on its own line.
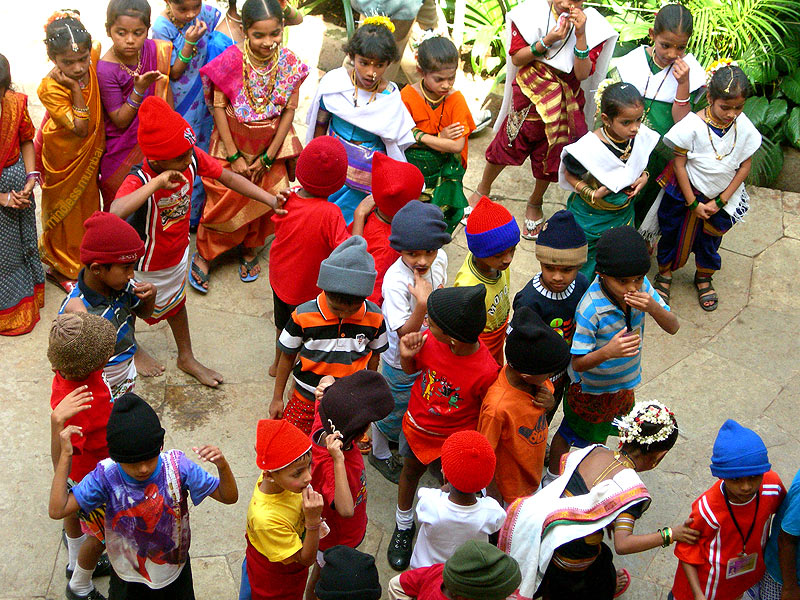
<point>147,522</point>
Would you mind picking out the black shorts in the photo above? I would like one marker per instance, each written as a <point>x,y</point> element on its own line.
<point>281,311</point>
<point>180,589</point>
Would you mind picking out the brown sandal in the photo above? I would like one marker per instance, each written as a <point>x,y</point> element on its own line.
<point>707,297</point>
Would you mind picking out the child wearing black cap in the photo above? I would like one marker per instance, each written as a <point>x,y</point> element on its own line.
<point>606,350</point>
<point>455,370</point>
<point>514,411</point>
<point>348,575</point>
<point>145,494</point>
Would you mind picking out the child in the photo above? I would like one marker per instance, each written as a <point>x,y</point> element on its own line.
<point>733,518</point>
<point>311,224</point>
<point>185,24</point>
<point>781,556</point>
<point>345,410</point>
<point>555,48</point>
<point>72,143</point>
<point>605,169</point>
<point>669,80</point>
<point>443,124</point>
<point>554,293</point>
<point>79,347</point>
<point>109,251</point>
<point>145,493</point>
<point>284,516</point>
<point>476,571</point>
<point>253,136</point>
<point>348,573</point>
<point>155,197</point>
<point>454,371</point>
<point>394,184</point>
<point>341,313</point>
<point>418,234</point>
<point>492,238</point>
<point>606,350</point>
<point>363,110</point>
<point>459,512</point>
<point>704,194</point>
<point>134,68</point>
<point>514,412</point>
<point>22,294</point>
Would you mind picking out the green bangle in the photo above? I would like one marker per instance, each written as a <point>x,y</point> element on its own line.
<point>235,156</point>
<point>190,43</point>
<point>718,201</point>
<point>581,54</point>
<point>535,51</point>
<point>694,204</point>
<point>266,160</point>
<point>182,58</point>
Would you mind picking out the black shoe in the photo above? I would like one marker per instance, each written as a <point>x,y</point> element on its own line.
<point>390,467</point>
<point>93,595</point>
<point>400,546</point>
<point>102,568</point>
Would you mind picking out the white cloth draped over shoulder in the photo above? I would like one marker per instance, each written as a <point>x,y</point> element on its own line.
<point>386,116</point>
<point>633,68</point>
<point>531,18</point>
<point>604,165</point>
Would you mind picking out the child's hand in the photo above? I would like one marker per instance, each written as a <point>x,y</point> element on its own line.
<point>544,398</point>
<point>623,345</point>
<point>211,454</point>
<point>421,289</point>
<point>704,211</point>
<point>72,404</point>
<point>170,180</point>
<point>143,81</point>
<point>144,290</point>
<point>452,132</point>
<point>324,383</point>
<point>637,185</point>
<point>17,200</point>
<point>684,533</point>
<point>66,438</point>
<point>601,192</point>
<point>196,31</point>
<point>312,506</point>
<point>277,202</point>
<point>239,166</point>
<point>641,301</point>
<point>333,442</point>
<point>680,70</point>
<point>275,410</point>
<point>578,18</point>
<point>58,76</point>
<point>365,206</point>
<point>557,33</point>
<point>254,170</point>
<point>411,344</point>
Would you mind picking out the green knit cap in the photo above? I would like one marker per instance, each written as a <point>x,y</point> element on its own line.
<point>80,344</point>
<point>479,571</point>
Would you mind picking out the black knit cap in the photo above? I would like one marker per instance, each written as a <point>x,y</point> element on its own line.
<point>348,574</point>
<point>460,312</point>
<point>418,226</point>
<point>532,347</point>
<point>353,402</point>
<point>622,252</point>
<point>134,432</point>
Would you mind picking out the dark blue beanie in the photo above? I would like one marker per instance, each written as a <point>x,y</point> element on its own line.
<point>418,226</point>
<point>561,242</point>
<point>738,452</point>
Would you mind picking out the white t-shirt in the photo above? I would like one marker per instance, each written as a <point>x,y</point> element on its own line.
<point>444,525</point>
<point>399,303</point>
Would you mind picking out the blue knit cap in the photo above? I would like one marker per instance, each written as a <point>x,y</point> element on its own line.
<point>738,452</point>
<point>490,229</point>
<point>418,226</point>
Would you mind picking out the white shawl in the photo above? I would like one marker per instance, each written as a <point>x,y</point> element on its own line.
<point>633,68</point>
<point>530,18</point>
<point>604,165</point>
<point>387,116</point>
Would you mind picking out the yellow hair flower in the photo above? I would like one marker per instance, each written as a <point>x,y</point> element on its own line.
<point>601,88</point>
<point>715,66</point>
<point>379,20</point>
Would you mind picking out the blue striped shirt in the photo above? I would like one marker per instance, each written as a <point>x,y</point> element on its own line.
<point>598,320</point>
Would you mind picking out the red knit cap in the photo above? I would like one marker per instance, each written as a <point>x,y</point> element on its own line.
<point>491,229</point>
<point>322,166</point>
<point>109,240</point>
<point>394,183</point>
<point>279,444</point>
<point>468,461</point>
<point>163,133</point>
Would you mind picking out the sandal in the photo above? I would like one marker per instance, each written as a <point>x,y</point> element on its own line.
<point>467,211</point>
<point>707,297</point>
<point>248,266</point>
<point>531,230</point>
<point>201,275</point>
<point>663,291</point>
<point>66,285</point>
<point>625,587</point>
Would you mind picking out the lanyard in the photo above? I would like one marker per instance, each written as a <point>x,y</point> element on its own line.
<point>736,523</point>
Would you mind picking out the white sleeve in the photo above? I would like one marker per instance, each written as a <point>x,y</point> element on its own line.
<point>683,133</point>
<point>426,506</point>
<point>494,513</point>
<point>396,305</point>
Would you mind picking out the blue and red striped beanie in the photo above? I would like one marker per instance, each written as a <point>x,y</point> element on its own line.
<point>491,229</point>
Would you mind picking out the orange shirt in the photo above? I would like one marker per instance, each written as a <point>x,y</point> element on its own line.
<point>517,430</point>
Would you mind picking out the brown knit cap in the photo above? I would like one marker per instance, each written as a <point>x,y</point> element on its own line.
<point>80,344</point>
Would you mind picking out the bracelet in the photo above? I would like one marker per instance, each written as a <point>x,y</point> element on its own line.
<point>80,117</point>
<point>235,156</point>
<point>314,527</point>
<point>646,173</point>
<point>535,51</point>
<point>718,201</point>
<point>668,535</point>
<point>694,204</point>
<point>581,54</point>
<point>183,59</point>
<point>266,160</point>
<point>80,111</point>
<point>133,104</point>
<point>545,46</point>
<point>681,101</point>
<point>136,102</point>
<point>190,43</point>
<point>135,91</point>
<point>36,175</point>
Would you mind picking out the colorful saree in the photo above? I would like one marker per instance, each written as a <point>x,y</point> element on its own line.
<point>70,192</point>
<point>116,84</point>
<point>230,219</point>
<point>21,274</point>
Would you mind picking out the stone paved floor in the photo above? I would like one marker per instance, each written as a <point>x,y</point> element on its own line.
<point>737,362</point>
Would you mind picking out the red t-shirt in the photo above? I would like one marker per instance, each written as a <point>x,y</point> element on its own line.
<point>447,394</point>
<point>720,541</point>
<point>304,237</point>
<point>162,221</point>
<point>376,233</point>
<point>90,448</point>
<point>424,583</point>
<point>344,531</point>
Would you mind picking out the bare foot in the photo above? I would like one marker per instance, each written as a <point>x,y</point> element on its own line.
<point>146,365</point>
<point>474,197</point>
<point>200,372</point>
<point>249,256</point>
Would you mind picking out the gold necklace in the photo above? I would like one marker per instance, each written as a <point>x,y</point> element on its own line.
<point>625,460</point>
<point>709,123</point>
<point>626,152</point>
<point>258,103</point>
<point>433,103</point>
<point>356,87</point>
<point>126,68</point>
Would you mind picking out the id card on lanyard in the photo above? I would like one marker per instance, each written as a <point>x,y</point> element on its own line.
<point>743,563</point>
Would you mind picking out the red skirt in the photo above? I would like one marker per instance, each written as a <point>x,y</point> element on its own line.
<point>274,580</point>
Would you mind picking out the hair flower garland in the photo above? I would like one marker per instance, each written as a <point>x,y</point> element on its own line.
<point>722,63</point>
<point>381,20</point>
<point>652,412</point>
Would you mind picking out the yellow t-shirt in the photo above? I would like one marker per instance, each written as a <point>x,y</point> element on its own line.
<point>498,303</point>
<point>275,523</point>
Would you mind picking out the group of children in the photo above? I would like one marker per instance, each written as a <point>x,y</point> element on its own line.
<point>385,358</point>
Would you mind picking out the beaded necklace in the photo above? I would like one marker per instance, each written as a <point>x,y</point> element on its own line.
<point>658,89</point>
<point>268,75</point>
<point>547,29</point>
<point>709,120</point>
<point>356,87</point>
<point>126,68</point>
<point>626,151</point>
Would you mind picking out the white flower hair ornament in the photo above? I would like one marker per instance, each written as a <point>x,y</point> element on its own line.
<point>653,412</point>
<point>722,63</point>
<point>598,95</point>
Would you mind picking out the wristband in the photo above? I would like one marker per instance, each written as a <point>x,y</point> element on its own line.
<point>233,157</point>
<point>581,54</point>
<point>694,204</point>
<point>718,201</point>
<point>182,58</point>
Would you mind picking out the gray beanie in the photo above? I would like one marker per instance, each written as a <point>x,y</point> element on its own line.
<point>350,269</point>
<point>418,226</point>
